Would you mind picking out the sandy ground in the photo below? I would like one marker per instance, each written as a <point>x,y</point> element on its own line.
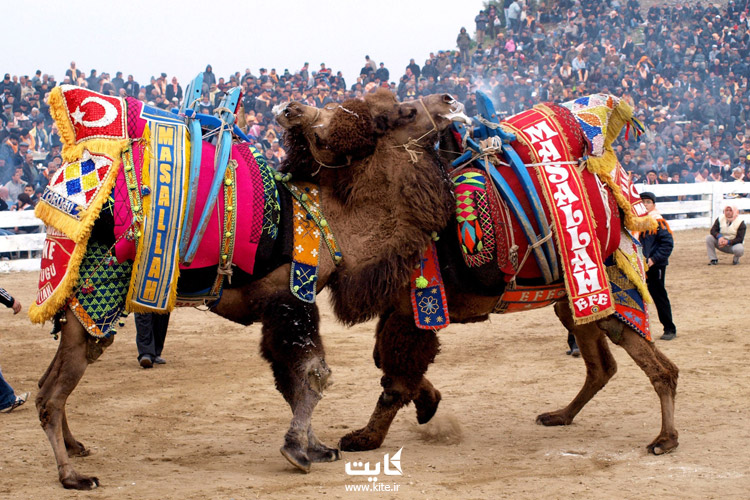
<point>209,424</point>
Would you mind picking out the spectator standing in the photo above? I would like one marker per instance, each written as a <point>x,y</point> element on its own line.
<point>40,135</point>
<point>514,16</point>
<point>9,401</point>
<point>131,87</point>
<point>209,78</point>
<point>463,41</point>
<point>382,73</point>
<point>657,247</point>
<point>151,332</point>
<point>73,73</point>
<point>481,21</point>
<point>728,235</point>
<point>118,82</point>
<point>93,81</point>
<point>506,12</point>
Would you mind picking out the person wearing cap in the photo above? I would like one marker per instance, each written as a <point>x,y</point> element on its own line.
<point>657,247</point>
<point>727,234</point>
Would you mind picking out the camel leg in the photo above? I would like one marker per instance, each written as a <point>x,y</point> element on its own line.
<point>75,352</point>
<point>292,345</point>
<point>600,366</point>
<point>663,376</point>
<point>404,353</point>
<point>75,448</point>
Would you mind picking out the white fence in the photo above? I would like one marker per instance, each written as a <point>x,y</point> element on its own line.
<point>19,248</point>
<point>707,205</point>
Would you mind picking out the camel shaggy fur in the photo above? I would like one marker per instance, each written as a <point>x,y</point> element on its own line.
<point>379,283</point>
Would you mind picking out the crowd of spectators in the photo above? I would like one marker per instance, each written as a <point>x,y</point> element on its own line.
<point>684,68</point>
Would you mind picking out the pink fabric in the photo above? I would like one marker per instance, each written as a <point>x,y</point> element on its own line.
<point>250,202</point>
<point>125,249</point>
<point>249,214</point>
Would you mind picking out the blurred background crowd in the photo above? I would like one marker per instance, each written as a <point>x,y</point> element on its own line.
<point>684,67</point>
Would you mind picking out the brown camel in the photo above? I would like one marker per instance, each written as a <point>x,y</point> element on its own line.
<point>380,286</point>
<point>382,222</point>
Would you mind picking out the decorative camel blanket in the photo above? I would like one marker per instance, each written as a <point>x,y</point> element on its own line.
<point>137,155</point>
<point>550,136</point>
<point>549,139</point>
<point>601,117</point>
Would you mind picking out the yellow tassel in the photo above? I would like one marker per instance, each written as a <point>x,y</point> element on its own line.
<point>59,112</point>
<point>604,166</point>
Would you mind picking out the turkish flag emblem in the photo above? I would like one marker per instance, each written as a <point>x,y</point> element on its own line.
<point>93,115</point>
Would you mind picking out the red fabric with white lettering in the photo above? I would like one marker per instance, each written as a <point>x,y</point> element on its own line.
<point>58,249</point>
<point>602,203</point>
<point>549,135</point>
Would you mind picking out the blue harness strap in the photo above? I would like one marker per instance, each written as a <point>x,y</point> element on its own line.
<point>189,103</point>
<point>225,112</point>
<point>536,205</point>
<point>192,94</point>
<point>515,206</point>
<point>487,112</point>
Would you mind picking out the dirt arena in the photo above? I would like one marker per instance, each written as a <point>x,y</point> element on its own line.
<point>209,424</point>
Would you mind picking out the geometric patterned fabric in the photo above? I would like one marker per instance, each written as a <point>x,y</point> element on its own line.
<point>75,184</point>
<point>473,217</point>
<point>630,307</point>
<point>592,113</point>
<point>101,290</point>
<point>271,209</point>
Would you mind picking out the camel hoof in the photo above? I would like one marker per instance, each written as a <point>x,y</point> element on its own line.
<point>79,450</point>
<point>359,440</point>
<point>662,446</point>
<point>80,483</point>
<point>552,419</point>
<point>297,458</point>
<point>323,454</point>
<point>427,404</point>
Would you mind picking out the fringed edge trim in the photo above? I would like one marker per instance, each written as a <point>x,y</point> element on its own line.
<point>80,230</point>
<point>624,265</point>
<point>130,305</point>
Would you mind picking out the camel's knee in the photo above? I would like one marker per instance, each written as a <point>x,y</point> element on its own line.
<point>96,347</point>
<point>318,375</point>
<point>404,351</point>
<point>614,329</point>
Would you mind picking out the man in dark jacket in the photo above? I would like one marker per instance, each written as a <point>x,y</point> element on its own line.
<point>657,247</point>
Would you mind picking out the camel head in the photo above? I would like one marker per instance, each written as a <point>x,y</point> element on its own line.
<point>340,134</point>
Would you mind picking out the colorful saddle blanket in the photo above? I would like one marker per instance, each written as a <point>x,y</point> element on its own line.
<point>549,137</point>
<point>138,156</point>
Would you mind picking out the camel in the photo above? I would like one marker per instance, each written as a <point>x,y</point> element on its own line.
<point>384,145</point>
<point>379,286</point>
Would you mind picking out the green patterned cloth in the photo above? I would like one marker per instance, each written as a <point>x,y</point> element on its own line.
<point>102,286</point>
